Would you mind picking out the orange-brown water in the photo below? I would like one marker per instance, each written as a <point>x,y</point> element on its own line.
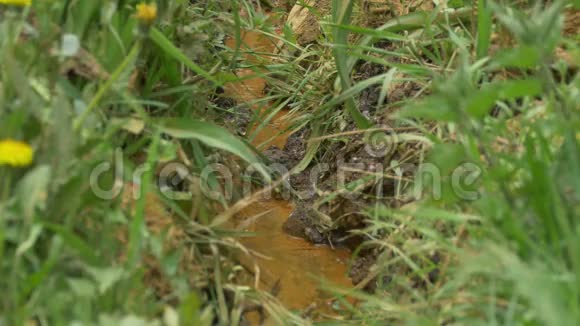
<point>293,265</point>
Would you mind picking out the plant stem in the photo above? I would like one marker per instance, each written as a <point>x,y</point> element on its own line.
<point>103,90</point>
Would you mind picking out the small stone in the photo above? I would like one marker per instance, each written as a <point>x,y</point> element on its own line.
<point>305,23</point>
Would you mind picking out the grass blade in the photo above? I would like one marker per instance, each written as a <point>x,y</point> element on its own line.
<point>342,12</point>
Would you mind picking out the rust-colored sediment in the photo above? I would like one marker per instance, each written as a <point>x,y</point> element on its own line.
<point>252,89</point>
<point>294,264</point>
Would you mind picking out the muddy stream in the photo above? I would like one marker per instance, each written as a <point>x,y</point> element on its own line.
<point>294,266</point>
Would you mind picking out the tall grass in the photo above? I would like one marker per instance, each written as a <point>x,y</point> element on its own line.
<point>513,112</point>
<point>80,80</point>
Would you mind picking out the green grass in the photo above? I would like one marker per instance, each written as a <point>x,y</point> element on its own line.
<point>517,263</point>
<point>512,256</point>
<point>62,258</point>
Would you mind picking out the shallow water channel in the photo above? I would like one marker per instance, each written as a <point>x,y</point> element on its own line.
<point>293,265</point>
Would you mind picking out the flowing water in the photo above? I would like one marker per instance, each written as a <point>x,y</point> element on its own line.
<point>293,265</point>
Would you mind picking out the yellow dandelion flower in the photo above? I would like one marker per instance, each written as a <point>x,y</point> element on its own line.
<point>146,12</point>
<point>22,3</point>
<point>15,153</point>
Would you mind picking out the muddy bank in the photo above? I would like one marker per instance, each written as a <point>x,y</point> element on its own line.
<point>283,264</point>
<point>331,197</point>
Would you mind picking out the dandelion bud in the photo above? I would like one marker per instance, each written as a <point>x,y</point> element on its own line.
<point>146,13</point>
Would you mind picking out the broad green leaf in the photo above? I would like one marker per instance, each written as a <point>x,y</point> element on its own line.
<point>81,14</point>
<point>483,100</point>
<point>82,287</point>
<point>189,309</point>
<point>433,108</point>
<point>106,277</point>
<point>212,136</point>
<point>479,104</point>
<point>513,89</point>
<point>447,157</point>
<point>520,57</point>
<point>30,241</point>
<point>33,190</point>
